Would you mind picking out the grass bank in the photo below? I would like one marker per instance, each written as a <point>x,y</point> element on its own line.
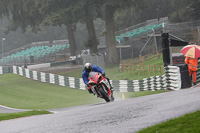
<point>20,92</point>
<point>113,72</point>
<point>188,123</point>
<point>23,93</point>
<point>7,116</point>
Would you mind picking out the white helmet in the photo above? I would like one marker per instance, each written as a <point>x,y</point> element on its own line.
<point>88,67</point>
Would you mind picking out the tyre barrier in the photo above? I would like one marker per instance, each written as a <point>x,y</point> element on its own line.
<point>4,70</point>
<point>170,80</point>
<point>173,77</point>
<point>198,72</point>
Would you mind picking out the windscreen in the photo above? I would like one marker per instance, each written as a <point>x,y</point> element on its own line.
<point>92,75</point>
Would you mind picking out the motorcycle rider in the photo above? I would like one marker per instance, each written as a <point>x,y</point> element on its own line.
<point>88,67</point>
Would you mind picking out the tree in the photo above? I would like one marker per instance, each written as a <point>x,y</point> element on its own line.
<point>92,40</point>
<point>60,12</point>
<point>29,13</point>
<point>111,7</point>
<point>194,9</point>
<point>87,12</point>
<point>110,36</point>
<point>22,14</point>
<point>185,10</point>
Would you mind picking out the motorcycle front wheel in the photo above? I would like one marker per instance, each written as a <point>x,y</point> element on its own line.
<point>104,94</point>
<point>112,97</point>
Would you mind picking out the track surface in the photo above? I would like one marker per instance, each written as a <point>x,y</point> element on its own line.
<point>59,69</point>
<point>126,116</point>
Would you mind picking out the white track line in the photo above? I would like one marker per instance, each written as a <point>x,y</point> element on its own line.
<point>1,106</point>
<point>10,108</point>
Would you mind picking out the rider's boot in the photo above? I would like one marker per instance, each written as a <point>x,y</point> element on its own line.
<point>111,88</point>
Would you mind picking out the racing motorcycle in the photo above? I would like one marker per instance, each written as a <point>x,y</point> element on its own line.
<point>100,86</point>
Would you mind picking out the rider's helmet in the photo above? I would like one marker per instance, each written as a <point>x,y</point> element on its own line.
<point>88,67</point>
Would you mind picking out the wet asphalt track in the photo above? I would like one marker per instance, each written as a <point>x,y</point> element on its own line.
<point>126,116</point>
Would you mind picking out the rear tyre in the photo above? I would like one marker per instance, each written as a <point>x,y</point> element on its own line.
<point>104,94</point>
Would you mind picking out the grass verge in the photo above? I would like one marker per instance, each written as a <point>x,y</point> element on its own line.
<point>188,123</point>
<point>25,93</point>
<point>20,92</point>
<point>113,72</point>
<point>7,116</point>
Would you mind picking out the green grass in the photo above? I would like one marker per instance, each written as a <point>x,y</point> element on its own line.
<point>156,61</point>
<point>113,72</point>
<point>188,123</point>
<point>133,76</point>
<point>136,60</point>
<point>7,116</point>
<point>20,92</point>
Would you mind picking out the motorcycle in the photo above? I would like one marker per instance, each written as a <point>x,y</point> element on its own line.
<point>100,86</point>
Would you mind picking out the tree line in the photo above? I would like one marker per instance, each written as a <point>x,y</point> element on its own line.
<point>117,14</point>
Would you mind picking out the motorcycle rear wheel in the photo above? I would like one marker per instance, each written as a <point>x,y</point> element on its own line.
<point>104,94</point>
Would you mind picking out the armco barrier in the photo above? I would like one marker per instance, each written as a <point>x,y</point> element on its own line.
<point>171,80</point>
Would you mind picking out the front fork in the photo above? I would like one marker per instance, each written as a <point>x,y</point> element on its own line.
<point>107,90</point>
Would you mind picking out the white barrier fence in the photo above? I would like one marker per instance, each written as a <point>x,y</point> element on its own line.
<point>171,80</point>
<point>1,70</point>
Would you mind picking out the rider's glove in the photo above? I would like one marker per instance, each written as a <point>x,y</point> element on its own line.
<point>103,74</point>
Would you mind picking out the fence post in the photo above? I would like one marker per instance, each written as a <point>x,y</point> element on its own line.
<point>160,71</point>
<point>143,69</point>
<point>133,69</point>
<point>124,68</point>
<point>120,67</point>
<point>142,60</point>
<point>154,70</point>
<point>149,70</point>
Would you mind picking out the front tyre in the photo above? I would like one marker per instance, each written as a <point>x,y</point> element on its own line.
<point>104,94</point>
<point>112,97</point>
